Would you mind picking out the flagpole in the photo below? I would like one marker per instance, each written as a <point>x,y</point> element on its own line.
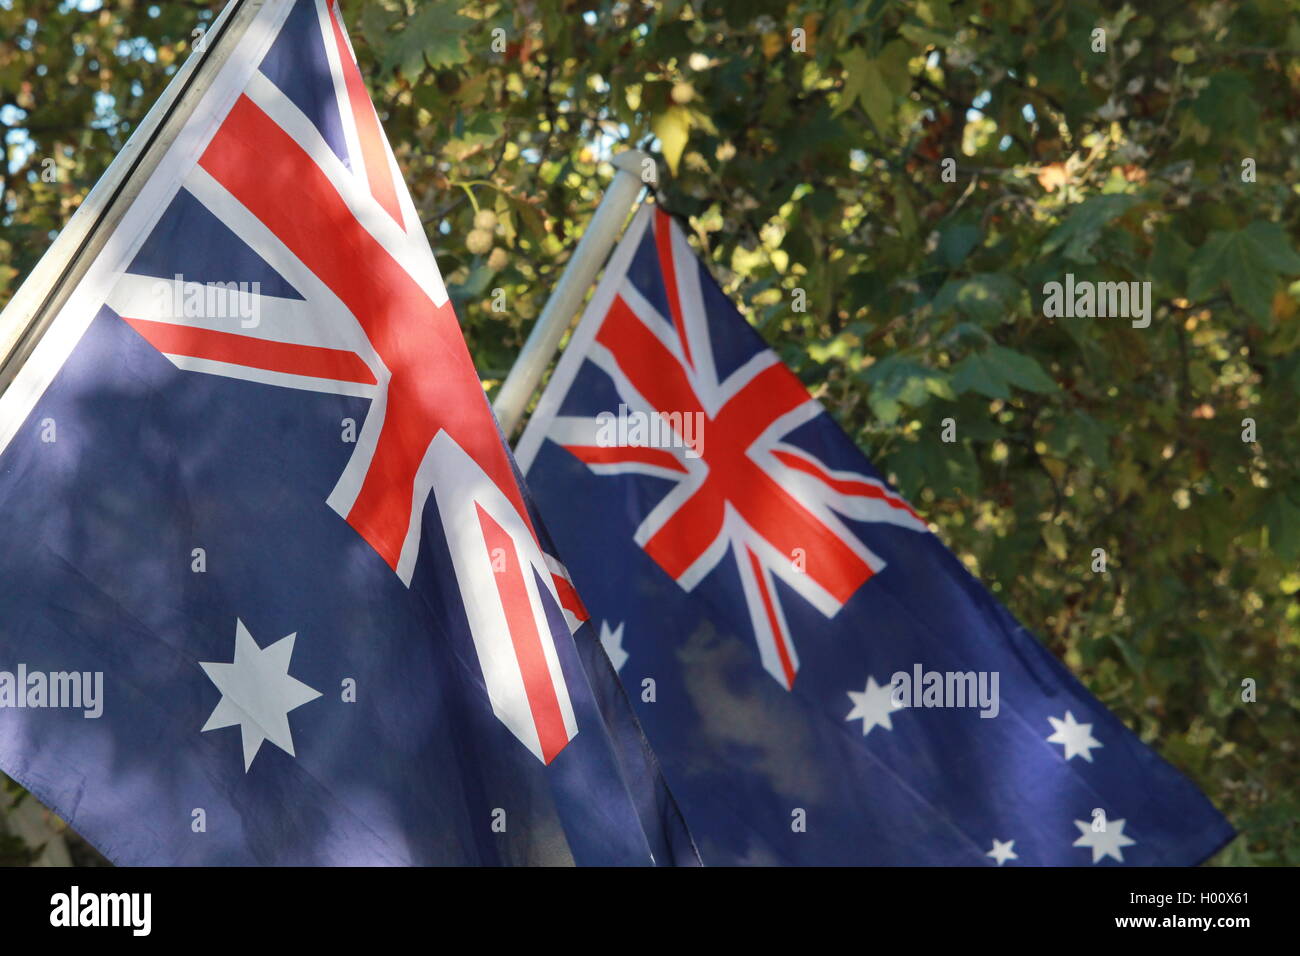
<point>566,298</point>
<point>48,286</point>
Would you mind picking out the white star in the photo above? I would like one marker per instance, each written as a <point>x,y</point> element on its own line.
<point>1107,842</point>
<point>873,706</point>
<point>1076,738</point>
<point>612,641</point>
<point>257,693</point>
<point>1002,851</point>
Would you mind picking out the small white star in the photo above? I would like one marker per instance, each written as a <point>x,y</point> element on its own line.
<point>257,693</point>
<point>1108,842</point>
<point>612,641</point>
<point>1002,851</point>
<point>1076,738</point>
<point>873,706</point>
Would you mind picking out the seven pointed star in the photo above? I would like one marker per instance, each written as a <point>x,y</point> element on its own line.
<point>1003,851</point>
<point>873,706</point>
<point>257,693</point>
<point>1108,842</point>
<point>1075,737</point>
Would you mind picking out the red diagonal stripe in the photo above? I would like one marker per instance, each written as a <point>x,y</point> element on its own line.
<point>371,137</point>
<point>663,230</point>
<point>861,489</point>
<point>625,454</point>
<point>542,699</point>
<point>778,636</point>
<point>252,352</point>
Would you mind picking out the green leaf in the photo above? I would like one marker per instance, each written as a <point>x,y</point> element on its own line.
<point>1169,259</point>
<point>1227,104</point>
<point>924,36</point>
<point>993,372</point>
<point>478,131</point>
<point>893,67</point>
<point>1281,517</point>
<point>435,34</point>
<point>1094,439</point>
<point>474,286</point>
<point>955,244</point>
<point>864,81</point>
<point>376,21</point>
<point>530,220</point>
<point>944,468</point>
<point>1274,246</point>
<point>1249,261</point>
<point>1020,370</point>
<point>857,66</point>
<point>986,297</point>
<point>975,373</point>
<point>895,382</point>
<point>1082,228</point>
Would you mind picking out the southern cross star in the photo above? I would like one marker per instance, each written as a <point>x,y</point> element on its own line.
<point>1002,851</point>
<point>1108,841</point>
<point>873,706</point>
<point>1076,738</point>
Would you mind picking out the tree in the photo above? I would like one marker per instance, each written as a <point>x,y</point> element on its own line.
<point>913,175</point>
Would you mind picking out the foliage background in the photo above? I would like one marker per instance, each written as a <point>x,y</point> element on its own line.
<point>821,170</point>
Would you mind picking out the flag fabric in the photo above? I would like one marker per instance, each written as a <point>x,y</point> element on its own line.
<point>270,588</point>
<point>821,679</point>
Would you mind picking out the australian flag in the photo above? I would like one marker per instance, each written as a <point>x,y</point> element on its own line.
<point>821,679</point>
<point>270,588</point>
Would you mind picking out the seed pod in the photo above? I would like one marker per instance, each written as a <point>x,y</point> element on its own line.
<point>478,241</point>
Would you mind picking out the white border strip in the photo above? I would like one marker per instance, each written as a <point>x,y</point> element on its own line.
<point>566,370</point>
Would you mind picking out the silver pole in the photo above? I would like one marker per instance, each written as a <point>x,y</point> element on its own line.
<point>51,282</point>
<point>566,298</point>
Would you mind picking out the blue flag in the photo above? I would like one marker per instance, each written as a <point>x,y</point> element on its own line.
<point>270,588</point>
<point>821,679</point>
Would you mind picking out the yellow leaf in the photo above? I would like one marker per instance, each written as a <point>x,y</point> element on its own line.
<point>772,43</point>
<point>1284,307</point>
<point>673,127</point>
<point>1054,537</point>
<point>1052,176</point>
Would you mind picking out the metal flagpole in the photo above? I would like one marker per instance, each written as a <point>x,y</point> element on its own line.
<point>56,275</point>
<point>567,296</point>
